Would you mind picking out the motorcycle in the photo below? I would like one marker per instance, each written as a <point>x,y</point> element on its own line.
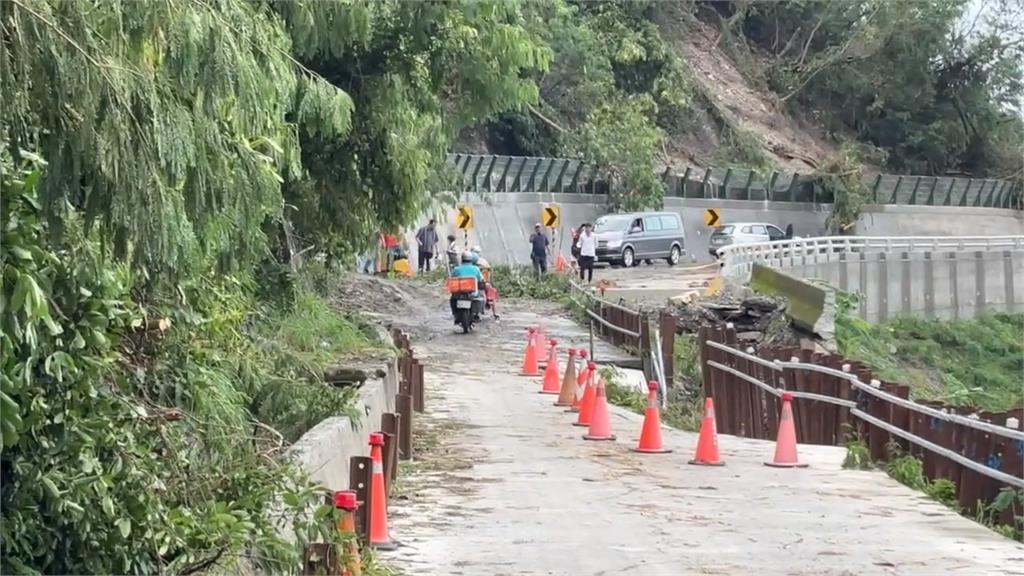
<point>490,294</point>
<point>467,305</point>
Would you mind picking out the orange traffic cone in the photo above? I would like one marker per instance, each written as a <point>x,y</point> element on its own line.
<point>587,403</point>
<point>560,264</point>
<point>785,443</point>
<point>650,434</point>
<point>538,346</point>
<point>551,384</point>
<point>380,536</point>
<point>530,366</point>
<point>600,421</point>
<point>568,389</point>
<point>707,444</point>
<point>347,502</point>
<point>582,383</point>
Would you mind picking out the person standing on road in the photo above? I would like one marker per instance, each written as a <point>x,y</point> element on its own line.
<point>539,250</point>
<point>453,253</point>
<point>426,237</point>
<point>588,252</point>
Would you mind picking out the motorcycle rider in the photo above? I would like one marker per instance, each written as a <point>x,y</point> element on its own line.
<point>490,292</point>
<point>481,262</point>
<point>467,270</point>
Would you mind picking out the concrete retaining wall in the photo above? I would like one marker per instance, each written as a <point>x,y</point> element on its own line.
<point>934,284</point>
<point>324,451</point>
<point>504,221</point>
<point>939,221</point>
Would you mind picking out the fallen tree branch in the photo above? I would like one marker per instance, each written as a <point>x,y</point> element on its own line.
<point>546,120</point>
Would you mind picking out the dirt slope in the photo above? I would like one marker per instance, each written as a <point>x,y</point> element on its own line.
<point>789,143</point>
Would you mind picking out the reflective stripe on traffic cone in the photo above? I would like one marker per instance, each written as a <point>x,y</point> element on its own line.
<point>650,435</point>
<point>380,536</point>
<point>785,443</point>
<point>600,420</point>
<point>530,365</point>
<point>347,502</point>
<point>582,383</point>
<point>551,381</point>
<point>568,390</point>
<point>707,443</point>
<point>538,346</point>
<point>587,403</point>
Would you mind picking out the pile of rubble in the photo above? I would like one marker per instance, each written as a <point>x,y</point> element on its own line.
<point>753,316</point>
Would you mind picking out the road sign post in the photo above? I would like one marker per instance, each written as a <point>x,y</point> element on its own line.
<point>712,217</point>
<point>551,216</point>
<point>464,217</point>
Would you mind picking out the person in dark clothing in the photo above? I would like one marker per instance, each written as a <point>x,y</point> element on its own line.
<point>426,237</point>
<point>539,250</point>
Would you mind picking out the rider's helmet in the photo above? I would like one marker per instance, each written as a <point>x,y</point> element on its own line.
<point>476,250</point>
<point>467,257</point>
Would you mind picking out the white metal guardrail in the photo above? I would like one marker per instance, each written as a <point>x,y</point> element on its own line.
<point>872,389</point>
<point>738,259</point>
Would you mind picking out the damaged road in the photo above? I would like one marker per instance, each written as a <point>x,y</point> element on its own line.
<point>502,484</point>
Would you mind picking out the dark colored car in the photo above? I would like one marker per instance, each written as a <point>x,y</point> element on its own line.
<point>629,238</point>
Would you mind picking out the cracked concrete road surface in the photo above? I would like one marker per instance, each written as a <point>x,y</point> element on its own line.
<point>503,484</point>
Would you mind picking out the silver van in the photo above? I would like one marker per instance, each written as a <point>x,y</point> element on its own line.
<point>627,239</point>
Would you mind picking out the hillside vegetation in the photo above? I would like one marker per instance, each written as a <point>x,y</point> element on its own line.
<point>907,87</point>
<point>977,363</point>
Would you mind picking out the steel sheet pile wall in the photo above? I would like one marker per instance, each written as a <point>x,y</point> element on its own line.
<point>744,408</point>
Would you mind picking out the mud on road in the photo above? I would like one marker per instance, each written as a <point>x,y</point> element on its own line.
<point>502,484</point>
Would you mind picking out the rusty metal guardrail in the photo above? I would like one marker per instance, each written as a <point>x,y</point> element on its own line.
<point>980,452</point>
<point>631,329</point>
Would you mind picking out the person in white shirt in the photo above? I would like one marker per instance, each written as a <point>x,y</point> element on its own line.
<point>587,244</point>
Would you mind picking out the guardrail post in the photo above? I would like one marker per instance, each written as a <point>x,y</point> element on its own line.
<point>967,190</point>
<point>404,407</point>
<point>744,394</point>
<point>704,183</point>
<point>822,414</point>
<point>320,558</point>
<point>931,192</point>
<point>913,193</point>
<point>731,384</point>
<point>389,427</point>
<point>949,193</point>
<point>667,327</point>
<point>418,393</point>
<point>360,474</point>
<point>639,323</point>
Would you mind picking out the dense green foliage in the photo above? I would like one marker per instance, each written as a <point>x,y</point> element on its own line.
<point>922,88</point>
<point>141,437</point>
<point>164,166</point>
<point>933,88</point>
<point>418,72</point>
<point>976,362</point>
<point>613,90</point>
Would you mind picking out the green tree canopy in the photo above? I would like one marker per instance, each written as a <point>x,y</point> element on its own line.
<point>168,124</point>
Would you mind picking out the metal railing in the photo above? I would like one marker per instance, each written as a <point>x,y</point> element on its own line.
<point>738,259</point>
<point>624,326</point>
<point>977,450</point>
